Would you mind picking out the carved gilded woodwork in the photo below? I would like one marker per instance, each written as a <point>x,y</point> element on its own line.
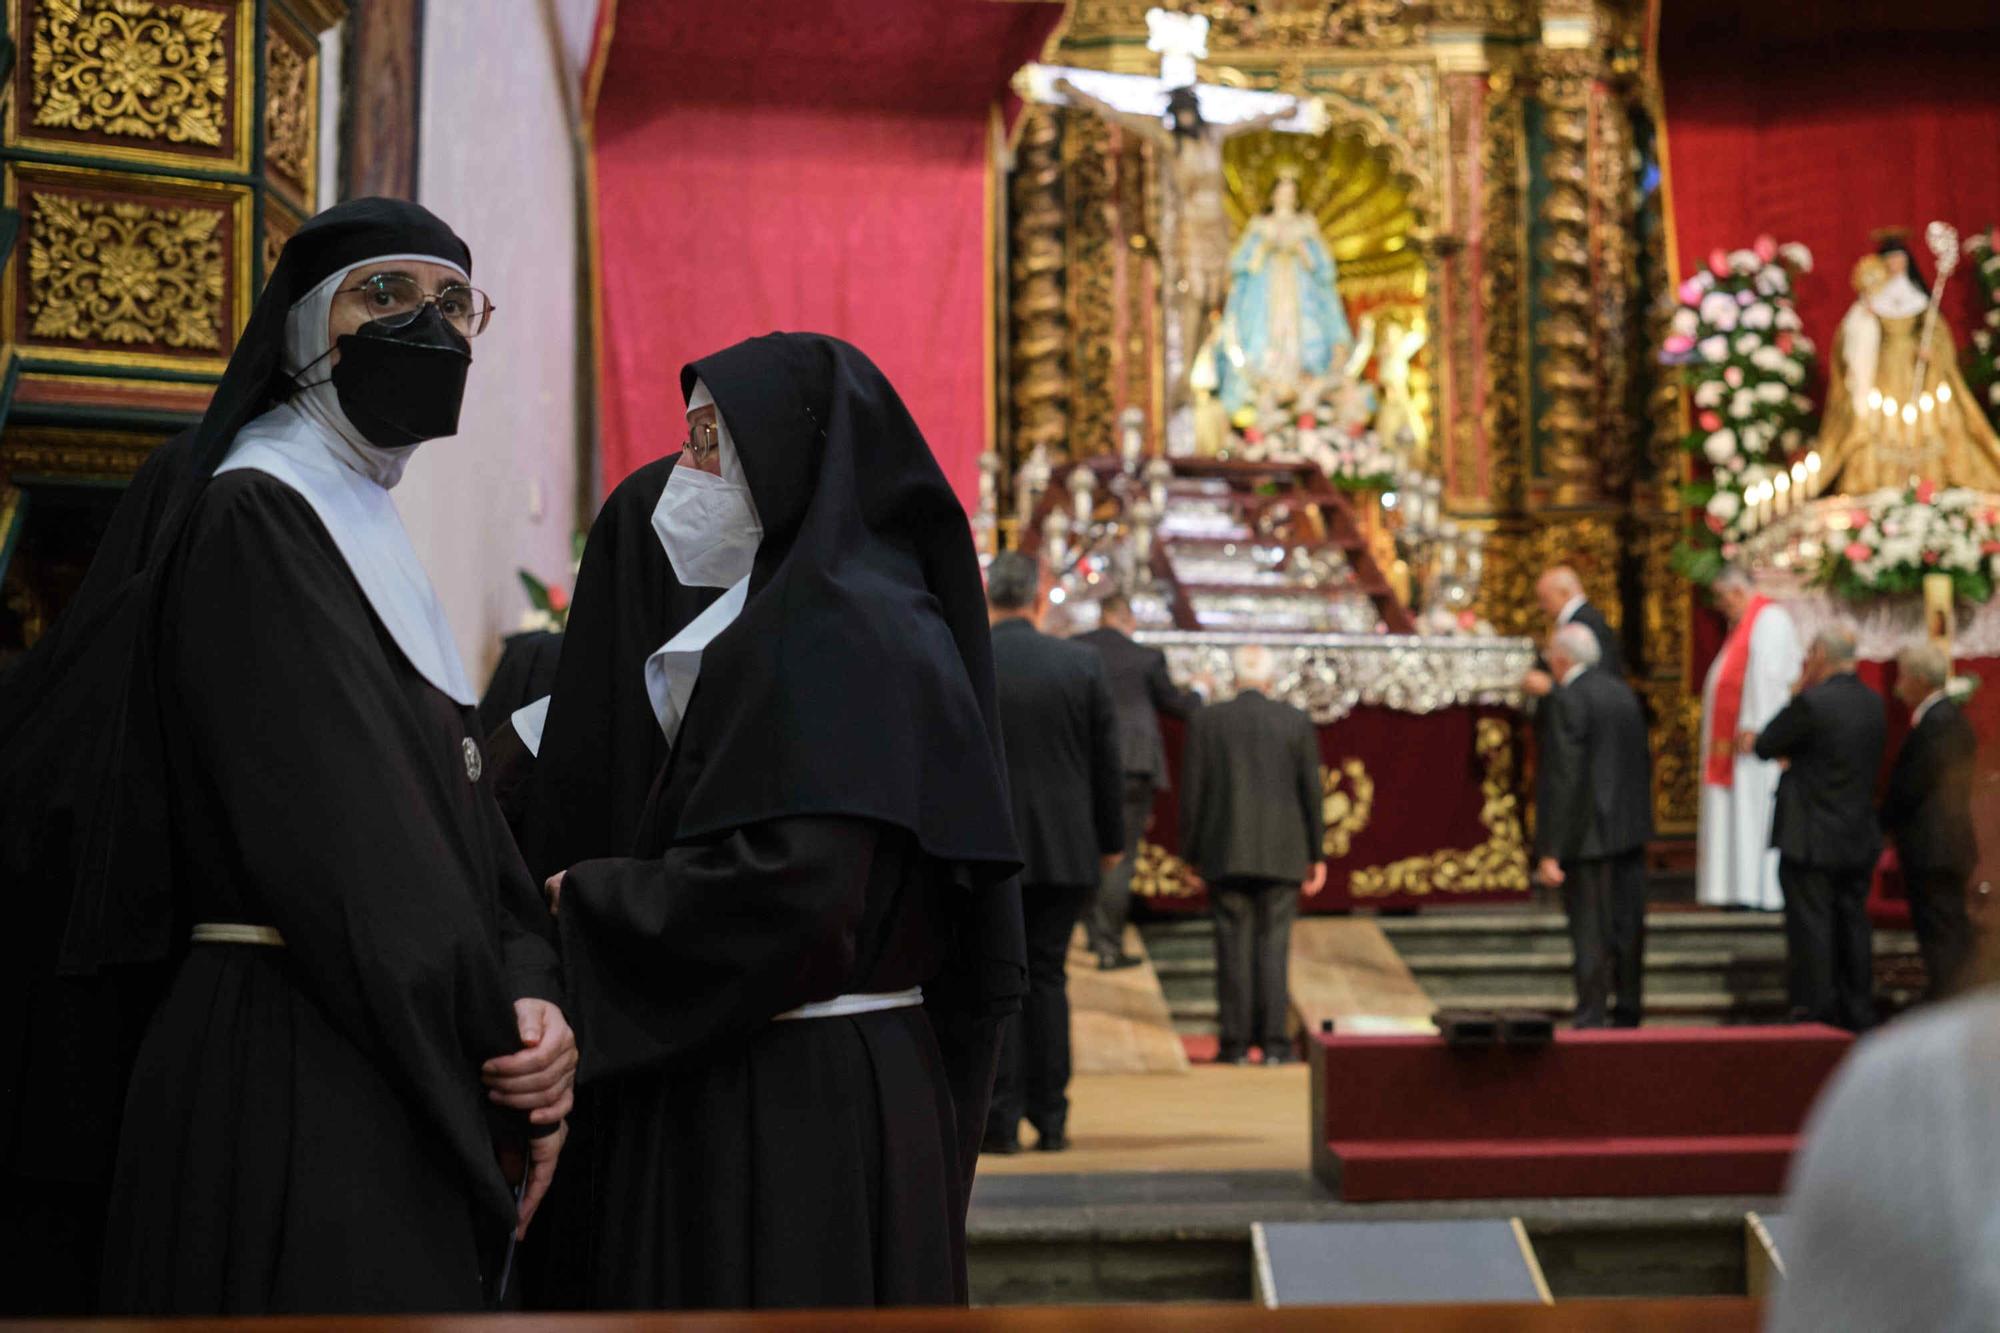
<point>1621,441</point>
<point>1566,324</point>
<point>1459,438</point>
<point>135,80</point>
<point>1347,802</point>
<point>1503,289</point>
<point>1089,157</point>
<point>1498,865</point>
<point>1039,323</point>
<point>1676,736</point>
<point>127,270</point>
<point>291,110</point>
<point>72,454</point>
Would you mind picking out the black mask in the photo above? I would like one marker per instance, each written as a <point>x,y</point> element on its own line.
<point>403,386</point>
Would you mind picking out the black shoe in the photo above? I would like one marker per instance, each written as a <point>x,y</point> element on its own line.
<point>1277,1055</point>
<point>1004,1146</point>
<point>1114,962</point>
<point>1056,1142</point>
<point>1232,1057</point>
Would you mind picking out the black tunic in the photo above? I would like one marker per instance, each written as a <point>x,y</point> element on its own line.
<point>306,1128</point>
<point>737,1162</point>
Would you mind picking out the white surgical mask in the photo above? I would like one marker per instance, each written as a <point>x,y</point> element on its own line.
<point>707,524</point>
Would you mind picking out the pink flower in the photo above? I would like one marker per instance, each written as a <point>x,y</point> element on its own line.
<point>1678,344</point>
<point>1710,422</point>
<point>1253,436</point>
<point>1785,343</point>
<point>1857,519</point>
<point>558,599</point>
<point>1926,492</point>
<point>1718,262</point>
<point>1989,548</point>
<point>1468,619</point>
<point>1691,291</point>
<point>1306,421</point>
<point>1930,557</point>
<point>1766,248</point>
<point>1856,552</point>
<point>1733,377</point>
<point>1729,550</point>
<point>1716,525</point>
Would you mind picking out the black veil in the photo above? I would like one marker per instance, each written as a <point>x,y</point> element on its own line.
<point>860,672</point>
<point>85,861</point>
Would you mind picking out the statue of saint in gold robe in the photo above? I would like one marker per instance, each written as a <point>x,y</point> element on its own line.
<point>1881,427</point>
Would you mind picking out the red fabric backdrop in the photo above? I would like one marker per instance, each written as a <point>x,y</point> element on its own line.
<point>801,164</point>
<point>1820,123</point>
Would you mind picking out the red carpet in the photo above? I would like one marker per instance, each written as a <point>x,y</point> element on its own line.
<point>1648,1112</point>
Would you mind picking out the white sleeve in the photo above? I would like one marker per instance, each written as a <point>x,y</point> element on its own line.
<point>1860,347</point>
<point>1775,662</point>
<point>528,723</point>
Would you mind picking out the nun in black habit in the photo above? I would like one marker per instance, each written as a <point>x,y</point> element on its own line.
<point>285,808</point>
<point>789,993</point>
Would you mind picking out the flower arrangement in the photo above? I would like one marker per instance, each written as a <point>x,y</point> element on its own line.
<point>1889,540</point>
<point>548,603</point>
<point>1982,360</point>
<point>1744,362</point>
<point>1324,423</point>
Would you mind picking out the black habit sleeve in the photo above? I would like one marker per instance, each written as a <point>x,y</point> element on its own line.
<point>351,844</point>
<point>1107,764</point>
<point>981,985</point>
<point>708,943</point>
<point>1789,732</point>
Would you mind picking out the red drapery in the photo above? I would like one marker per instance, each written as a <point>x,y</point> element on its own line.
<point>802,164</point>
<point>1819,124</point>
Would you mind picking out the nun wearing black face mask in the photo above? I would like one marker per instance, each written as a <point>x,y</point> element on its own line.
<point>789,995</point>
<point>285,813</point>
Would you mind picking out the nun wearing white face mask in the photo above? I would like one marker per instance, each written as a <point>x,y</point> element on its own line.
<point>293,821</point>
<point>788,983</point>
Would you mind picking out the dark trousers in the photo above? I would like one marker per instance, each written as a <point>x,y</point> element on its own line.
<point>1033,1079</point>
<point>1106,921</point>
<point>1944,934</point>
<point>1829,945</point>
<point>1253,946</point>
<point>1605,900</point>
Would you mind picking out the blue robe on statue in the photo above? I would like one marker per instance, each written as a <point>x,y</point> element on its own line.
<point>1284,321</point>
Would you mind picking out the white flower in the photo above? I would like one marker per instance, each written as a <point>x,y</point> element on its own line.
<point>1787,319</point>
<point>1744,261</point>
<point>1771,391</point>
<point>1724,506</point>
<point>1791,439</point>
<point>1993,318</point>
<point>1982,340</point>
<point>1720,447</point>
<point>1686,322</point>
<point>1708,393</point>
<point>1756,437</point>
<point>1743,403</point>
<point>1797,256</point>
<point>1753,474</point>
<point>1993,393</point>
<point>1714,349</point>
<point>1771,282</point>
<point>1747,343</point>
<point>1758,316</point>
<point>1793,372</point>
<point>1803,346</point>
<point>1801,404</point>
<point>1767,357</point>
<point>1718,311</point>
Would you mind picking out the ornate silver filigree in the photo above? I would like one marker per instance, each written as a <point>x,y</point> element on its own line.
<point>1330,675</point>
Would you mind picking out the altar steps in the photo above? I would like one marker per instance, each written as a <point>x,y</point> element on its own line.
<point>1702,967</point>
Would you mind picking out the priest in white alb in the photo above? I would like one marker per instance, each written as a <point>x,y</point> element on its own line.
<point>1750,680</point>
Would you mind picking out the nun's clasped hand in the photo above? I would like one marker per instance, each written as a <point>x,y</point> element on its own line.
<point>539,1077</point>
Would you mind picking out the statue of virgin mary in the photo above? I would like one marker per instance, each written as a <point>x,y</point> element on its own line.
<point>1284,326</point>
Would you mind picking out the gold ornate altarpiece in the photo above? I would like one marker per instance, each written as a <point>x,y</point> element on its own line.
<point>154,156</point>
<point>1482,171</point>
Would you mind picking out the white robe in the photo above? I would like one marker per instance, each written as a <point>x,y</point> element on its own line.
<point>1734,860</point>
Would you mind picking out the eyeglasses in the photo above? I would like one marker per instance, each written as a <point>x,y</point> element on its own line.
<point>704,439</point>
<point>395,299</point>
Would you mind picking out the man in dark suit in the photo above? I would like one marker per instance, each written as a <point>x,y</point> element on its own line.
<point>1142,690</point>
<point>1830,736</point>
<point>1928,811</point>
<point>1064,777</point>
<point>1559,593</point>
<point>1252,829</point>
<point>1592,821</point>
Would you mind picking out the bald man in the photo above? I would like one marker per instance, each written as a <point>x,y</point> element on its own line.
<point>1252,828</point>
<point>1559,592</point>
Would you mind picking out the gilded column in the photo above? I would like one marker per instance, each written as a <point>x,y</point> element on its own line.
<point>154,153</point>
<point>1038,374</point>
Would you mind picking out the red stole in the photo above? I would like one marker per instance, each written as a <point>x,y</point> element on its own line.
<point>1721,770</point>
